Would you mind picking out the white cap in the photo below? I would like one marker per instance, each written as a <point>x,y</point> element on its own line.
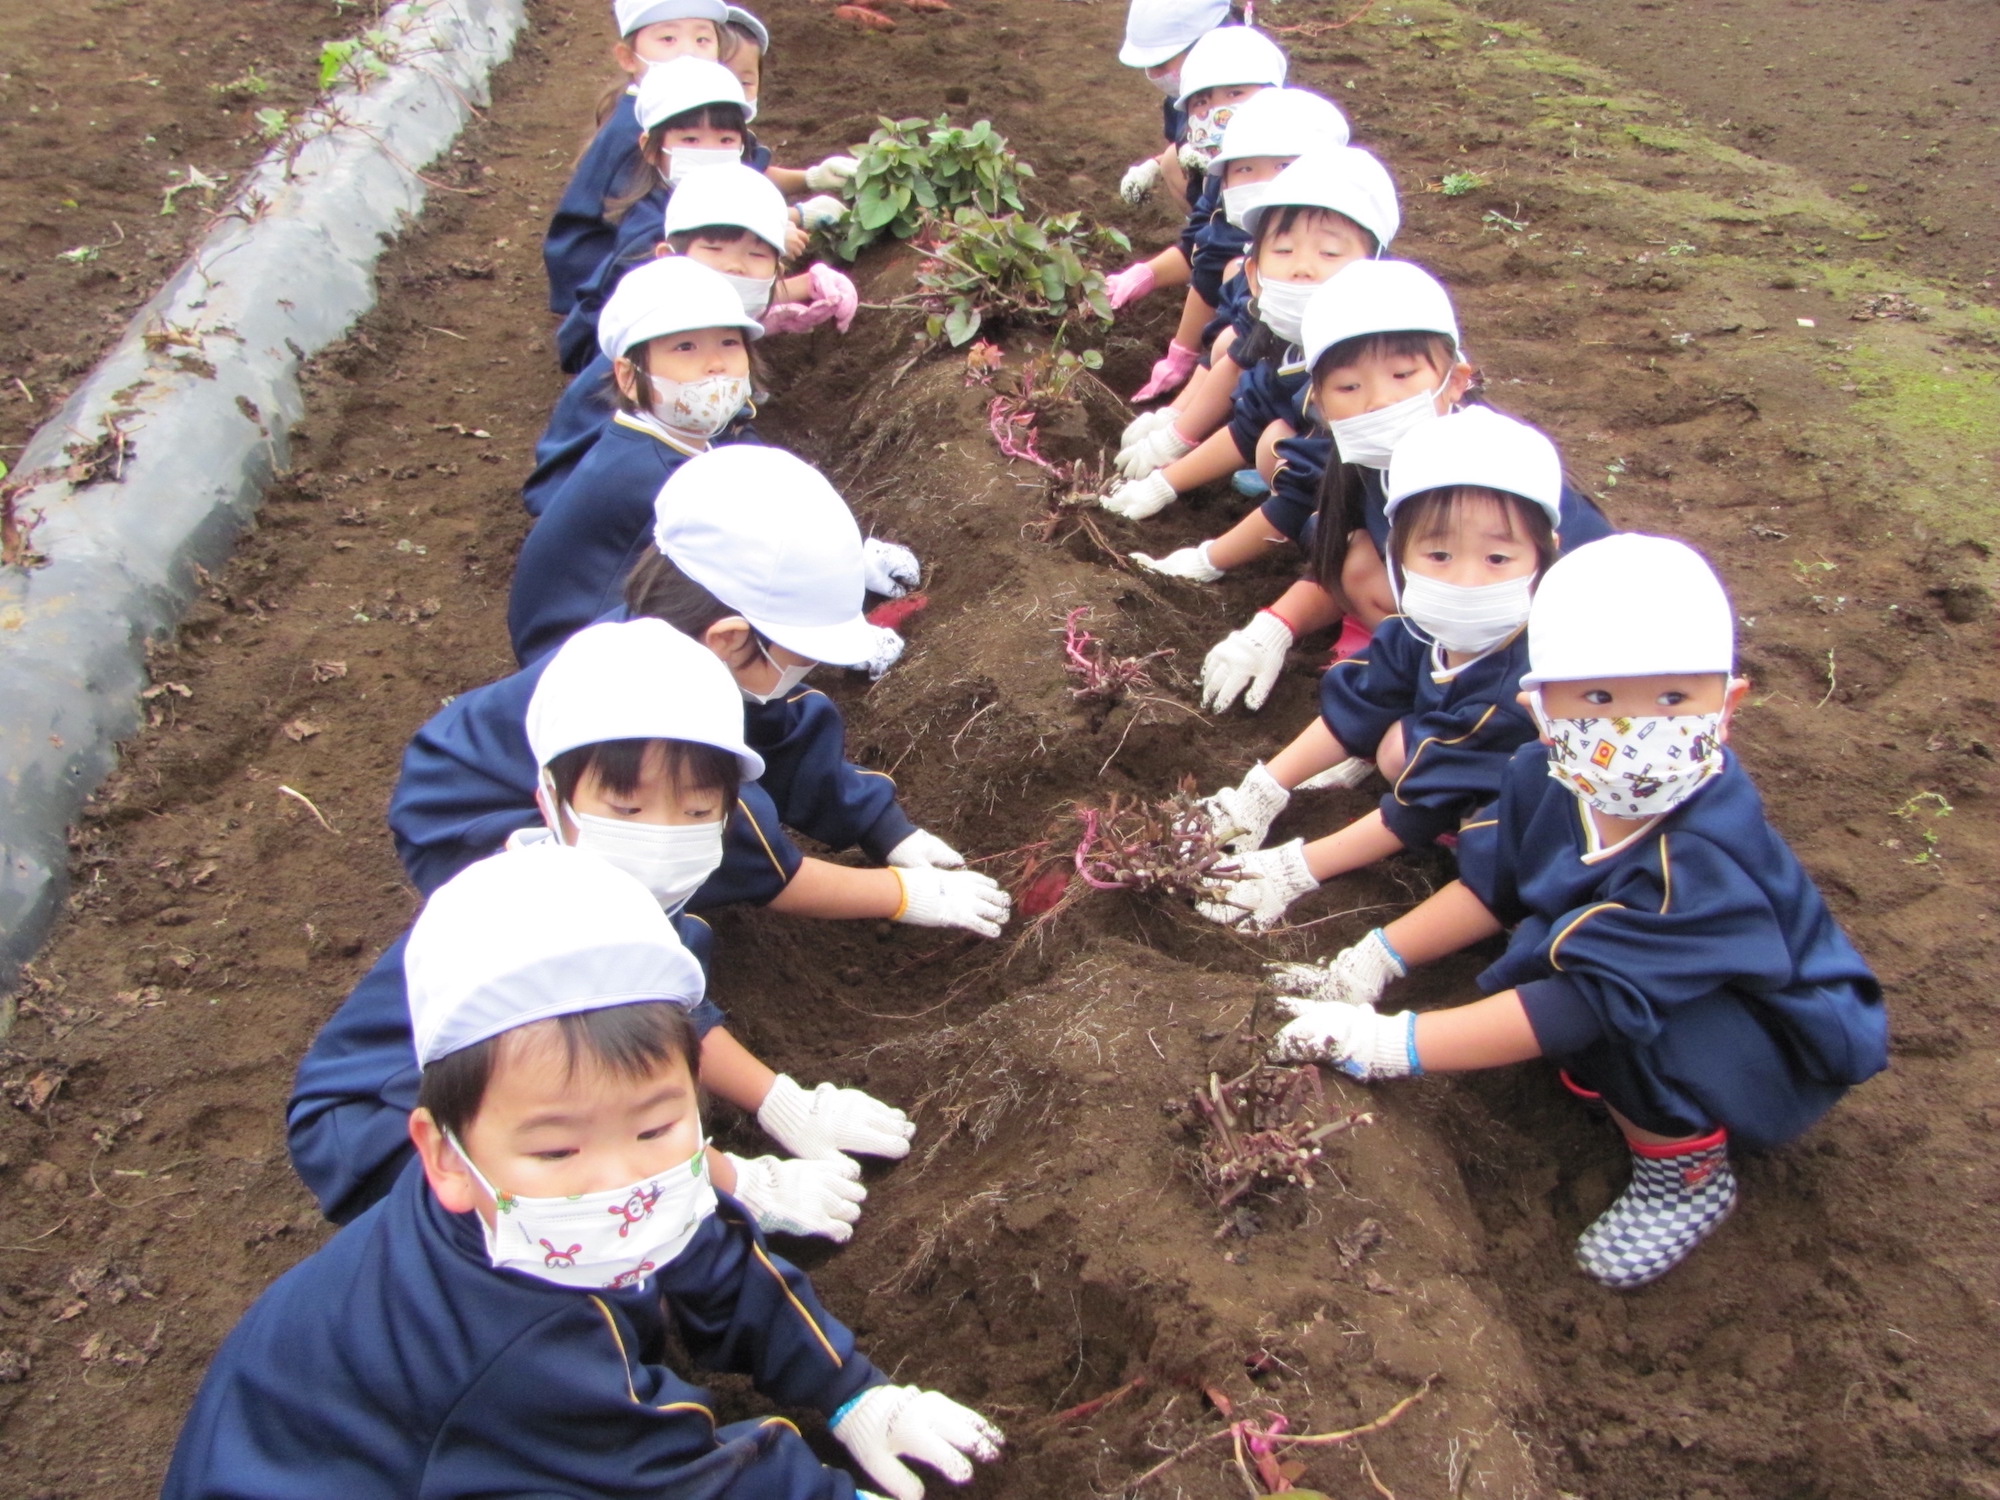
<point>1629,606</point>
<point>737,195</point>
<point>738,16</point>
<point>1231,54</point>
<point>670,294</point>
<point>1282,122</point>
<point>1345,179</point>
<point>636,680</point>
<point>632,14</point>
<point>766,534</point>
<point>679,84</point>
<point>535,932</point>
<point>1375,296</point>
<point>1158,31</point>
<point>1477,446</point>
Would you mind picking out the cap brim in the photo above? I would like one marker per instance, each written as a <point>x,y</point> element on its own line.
<point>1135,56</point>
<point>680,10</point>
<point>851,643</point>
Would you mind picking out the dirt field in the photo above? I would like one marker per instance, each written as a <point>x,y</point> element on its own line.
<point>1734,347</point>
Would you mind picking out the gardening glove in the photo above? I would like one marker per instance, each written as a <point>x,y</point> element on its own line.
<point>832,174</point>
<point>889,1423</point>
<point>1139,181</point>
<point>801,1197</point>
<point>1253,890</point>
<point>821,212</point>
<point>1130,284</point>
<point>1170,371</point>
<point>1155,450</point>
<point>829,1121</point>
<point>833,297</point>
<point>1350,773</point>
<point>1189,563</point>
<point>1144,423</point>
<point>1359,1041</point>
<point>1356,975</point>
<point>1136,499</point>
<point>1245,661</point>
<point>889,648</point>
<point>922,848</point>
<point>889,568</point>
<point>1241,815</point>
<point>952,898</point>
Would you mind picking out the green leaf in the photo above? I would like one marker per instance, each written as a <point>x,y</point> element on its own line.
<point>1092,359</point>
<point>962,323</point>
<point>874,213</point>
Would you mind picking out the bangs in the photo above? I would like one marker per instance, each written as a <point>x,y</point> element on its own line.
<point>1441,351</point>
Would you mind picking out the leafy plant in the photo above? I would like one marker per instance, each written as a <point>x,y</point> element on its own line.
<point>357,59</point>
<point>1012,268</point>
<point>1934,806</point>
<point>272,123</point>
<point>250,85</point>
<point>1458,184</point>
<point>914,168</point>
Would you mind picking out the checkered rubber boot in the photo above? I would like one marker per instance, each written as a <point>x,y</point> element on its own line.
<point>1679,1195</point>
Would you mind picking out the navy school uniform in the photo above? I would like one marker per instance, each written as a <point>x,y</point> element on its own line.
<point>579,235</point>
<point>1272,390</point>
<point>347,1123</point>
<point>1694,977</point>
<point>1294,498</point>
<point>1294,503</point>
<point>1232,310</point>
<point>582,413</point>
<point>1210,242</point>
<point>397,1363</point>
<point>1459,730</point>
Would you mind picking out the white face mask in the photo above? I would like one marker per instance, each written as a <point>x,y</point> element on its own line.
<point>1281,307</point>
<point>671,860</point>
<point>703,407</point>
<point>788,678</point>
<point>1167,83</point>
<point>1463,619</point>
<point>1633,768</point>
<point>755,292</point>
<point>609,1240</point>
<point>1370,438</point>
<point>1239,200</point>
<point>682,160</point>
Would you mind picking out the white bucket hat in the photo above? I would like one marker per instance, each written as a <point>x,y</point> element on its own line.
<point>766,534</point>
<point>1232,55</point>
<point>761,33</point>
<point>1344,179</point>
<point>632,14</point>
<point>736,195</point>
<point>1477,446</point>
<point>674,87</point>
<point>537,932</point>
<point>1629,606</point>
<point>1282,122</point>
<point>1158,31</point>
<point>636,680</point>
<point>671,294</point>
<point>1376,296</point>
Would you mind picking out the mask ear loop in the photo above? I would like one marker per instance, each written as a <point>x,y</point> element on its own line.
<point>1541,714</point>
<point>552,806</point>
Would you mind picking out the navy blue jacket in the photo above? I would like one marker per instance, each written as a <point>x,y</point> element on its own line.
<point>1232,310</point>
<point>397,1364</point>
<point>1457,734</point>
<point>347,1125</point>
<point>579,236</point>
<point>582,413</point>
<point>1272,390</point>
<point>1210,242</point>
<point>1294,504</point>
<point>1695,977</point>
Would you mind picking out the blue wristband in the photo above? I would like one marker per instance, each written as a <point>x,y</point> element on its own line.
<point>845,1407</point>
<point>1410,1041</point>
<point>1387,947</point>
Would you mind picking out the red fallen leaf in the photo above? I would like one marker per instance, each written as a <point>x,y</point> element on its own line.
<point>1041,893</point>
<point>891,613</point>
<point>861,15</point>
<point>926,5</point>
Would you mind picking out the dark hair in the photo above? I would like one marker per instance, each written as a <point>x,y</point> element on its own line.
<point>1262,343</point>
<point>619,765</point>
<point>645,173</point>
<point>657,589</point>
<point>738,34</point>
<point>630,1041</point>
<point>1431,512</point>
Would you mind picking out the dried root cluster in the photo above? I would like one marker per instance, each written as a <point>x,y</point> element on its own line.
<point>1264,1130</point>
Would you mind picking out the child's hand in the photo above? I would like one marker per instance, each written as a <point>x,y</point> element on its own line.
<point>889,568</point>
<point>1353,1038</point>
<point>820,212</point>
<point>1130,284</point>
<point>922,848</point>
<point>1357,975</point>
<point>1241,815</point>
<point>1144,423</point>
<point>1170,371</point>
<point>953,898</point>
<point>801,1197</point>
<point>832,174</point>
<point>833,296</point>
<point>1352,773</point>
<point>1136,499</point>
<point>1155,450</point>
<point>1190,564</point>
<point>883,1426</point>
<point>1255,890</point>
<point>829,1122</point>
<point>1139,181</point>
<point>889,648</point>
<point>1245,661</point>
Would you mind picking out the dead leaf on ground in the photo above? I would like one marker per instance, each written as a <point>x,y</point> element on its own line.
<point>327,671</point>
<point>299,730</point>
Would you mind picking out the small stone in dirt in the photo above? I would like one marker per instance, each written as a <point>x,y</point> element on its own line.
<point>14,1366</point>
<point>45,1177</point>
<point>300,730</point>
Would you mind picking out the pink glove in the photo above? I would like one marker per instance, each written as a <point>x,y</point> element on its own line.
<point>833,297</point>
<point>831,286</point>
<point>1170,373</point>
<point>1130,284</point>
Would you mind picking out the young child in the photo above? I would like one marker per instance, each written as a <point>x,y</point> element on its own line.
<point>1158,34</point>
<point>1226,67</point>
<point>500,1323</point>
<point>1323,212</point>
<point>1473,501</point>
<point>1383,351</point>
<point>638,732</point>
<point>759,559</point>
<point>679,344</point>
<point>1667,947</point>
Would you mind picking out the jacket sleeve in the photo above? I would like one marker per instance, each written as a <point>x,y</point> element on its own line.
<point>1361,697</point>
<point>1216,244</point>
<point>758,861</point>
<point>638,232</point>
<point>582,413</point>
<point>1457,757</point>
<point>1581,521</point>
<point>819,791</point>
<point>467,781</point>
<point>1294,498</point>
<point>1263,396</point>
<point>579,235</point>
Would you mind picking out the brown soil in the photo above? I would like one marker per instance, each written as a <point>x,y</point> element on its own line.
<point>1047,1244</point>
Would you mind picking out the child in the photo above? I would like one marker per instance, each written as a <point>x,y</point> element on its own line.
<point>1226,67</point>
<point>679,342</point>
<point>1321,213</point>
<point>500,1323</point>
<point>757,558</point>
<point>1158,34</point>
<point>1382,347</point>
<point>639,735</point>
<point>1667,947</point>
<point>1269,132</point>
<point>1473,501</point>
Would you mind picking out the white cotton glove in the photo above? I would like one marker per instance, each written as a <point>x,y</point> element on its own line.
<point>1145,422</point>
<point>1189,564</point>
<point>1155,450</point>
<point>801,1197</point>
<point>1253,890</point>
<point>889,648</point>
<point>821,212</point>
<point>888,568</point>
<point>1245,661</point>
<point>1357,975</point>
<point>1136,499</point>
<point>828,1122</point>
<point>952,898</point>
<point>1356,1039</point>
<point>1350,773</point>
<point>1241,815</point>
<point>832,174</point>
<point>885,1425</point>
<point>922,848</point>
<point>1139,181</point>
